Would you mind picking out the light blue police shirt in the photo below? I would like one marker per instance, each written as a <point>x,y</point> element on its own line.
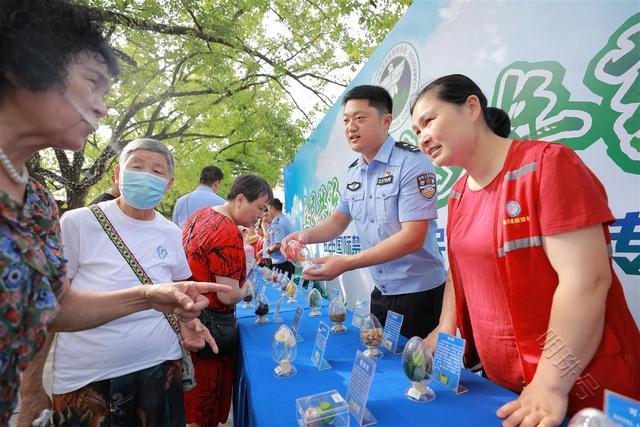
<point>398,185</point>
<point>279,228</point>
<point>186,205</point>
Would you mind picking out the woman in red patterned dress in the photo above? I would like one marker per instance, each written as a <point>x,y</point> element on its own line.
<point>215,249</point>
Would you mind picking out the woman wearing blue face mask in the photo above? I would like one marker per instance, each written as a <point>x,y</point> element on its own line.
<point>139,355</point>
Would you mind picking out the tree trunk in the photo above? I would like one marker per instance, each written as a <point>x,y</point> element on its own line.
<point>76,198</point>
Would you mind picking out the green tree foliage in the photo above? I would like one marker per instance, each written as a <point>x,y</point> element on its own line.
<point>224,82</point>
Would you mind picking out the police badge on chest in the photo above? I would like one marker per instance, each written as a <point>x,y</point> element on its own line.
<point>353,186</point>
<point>384,180</point>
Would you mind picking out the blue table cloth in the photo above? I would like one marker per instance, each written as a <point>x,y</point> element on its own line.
<point>262,399</point>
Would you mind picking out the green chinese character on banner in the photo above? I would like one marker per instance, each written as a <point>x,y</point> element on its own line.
<point>539,105</point>
<point>319,205</point>
<point>613,75</point>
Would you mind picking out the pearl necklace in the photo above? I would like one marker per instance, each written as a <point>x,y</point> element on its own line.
<point>11,170</point>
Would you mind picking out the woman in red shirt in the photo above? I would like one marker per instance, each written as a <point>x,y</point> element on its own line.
<point>531,285</point>
<point>215,249</point>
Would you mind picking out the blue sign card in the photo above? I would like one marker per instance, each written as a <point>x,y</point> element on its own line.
<point>295,326</point>
<point>364,369</point>
<point>259,276</point>
<point>319,347</point>
<point>391,334</point>
<point>276,314</point>
<point>360,311</point>
<point>447,362</point>
<point>357,319</point>
<point>259,283</point>
<point>622,410</point>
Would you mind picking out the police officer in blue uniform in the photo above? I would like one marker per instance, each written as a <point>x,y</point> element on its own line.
<point>279,228</point>
<point>390,195</point>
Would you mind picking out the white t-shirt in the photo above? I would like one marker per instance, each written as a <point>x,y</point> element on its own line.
<point>136,341</point>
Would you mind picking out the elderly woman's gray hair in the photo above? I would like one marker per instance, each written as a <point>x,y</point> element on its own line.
<point>148,144</point>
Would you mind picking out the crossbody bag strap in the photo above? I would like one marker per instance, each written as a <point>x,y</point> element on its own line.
<point>128,256</point>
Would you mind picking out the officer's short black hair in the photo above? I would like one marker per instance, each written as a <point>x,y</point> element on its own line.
<point>377,96</point>
<point>276,204</point>
<point>210,174</point>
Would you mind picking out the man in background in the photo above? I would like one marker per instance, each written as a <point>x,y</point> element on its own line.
<point>111,194</point>
<point>204,195</point>
<point>279,228</point>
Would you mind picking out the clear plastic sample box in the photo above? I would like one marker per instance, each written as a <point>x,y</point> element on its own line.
<point>326,409</point>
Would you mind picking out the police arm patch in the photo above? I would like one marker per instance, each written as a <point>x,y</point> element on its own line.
<point>427,185</point>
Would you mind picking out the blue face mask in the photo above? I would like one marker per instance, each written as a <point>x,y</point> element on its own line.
<point>142,190</point>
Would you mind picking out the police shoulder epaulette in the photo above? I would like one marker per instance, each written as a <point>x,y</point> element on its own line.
<point>355,162</point>
<point>407,146</point>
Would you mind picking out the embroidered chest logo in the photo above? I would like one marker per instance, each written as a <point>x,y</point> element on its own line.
<point>513,211</point>
<point>353,186</point>
<point>513,208</point>
<point>162,252</point>
<point>427,185</point>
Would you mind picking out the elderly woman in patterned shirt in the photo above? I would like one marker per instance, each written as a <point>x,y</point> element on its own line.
<point>55,69</point>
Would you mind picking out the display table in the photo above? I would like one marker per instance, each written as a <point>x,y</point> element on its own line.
<point>272,295</point>
<point>261,399</point>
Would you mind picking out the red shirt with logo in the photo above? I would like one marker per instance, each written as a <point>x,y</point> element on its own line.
<point>472,241</point>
